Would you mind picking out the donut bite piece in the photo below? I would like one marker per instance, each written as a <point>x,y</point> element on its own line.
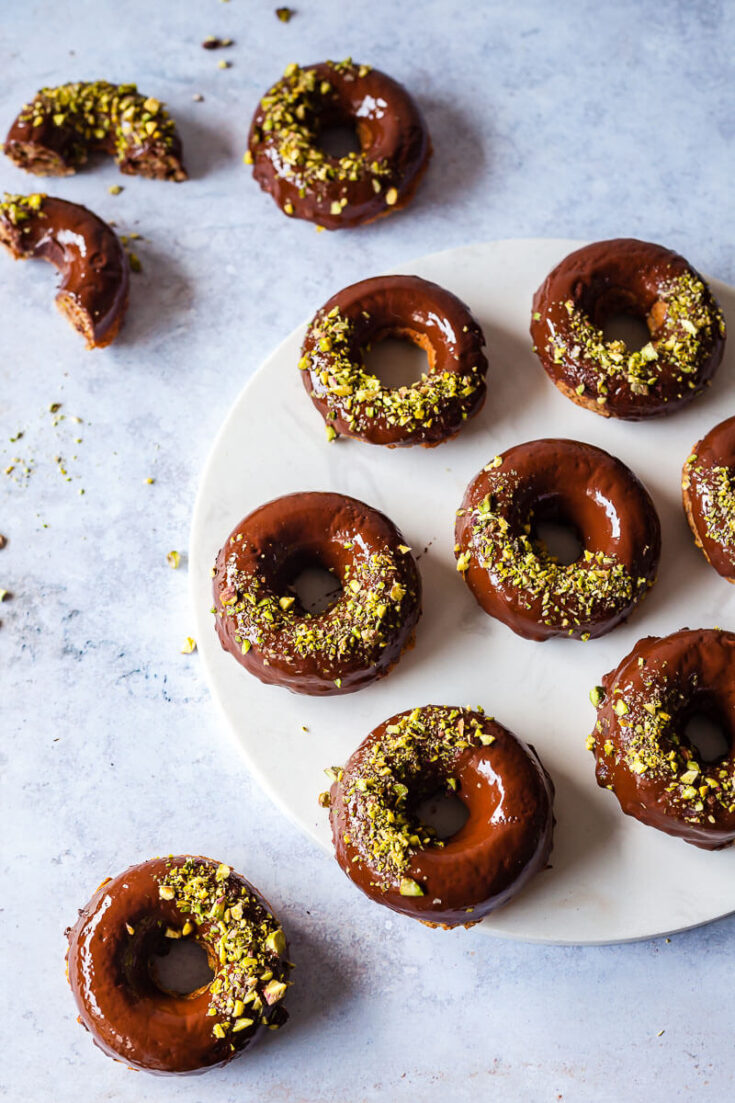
<point>55,133</point>
<point>640,742</point>
<point>362,633</point>
<point>289,162</point>
<point>638,278</point>
<point>354,402</point>
<point>708,494</point>
<point>95,271</point>
<point>382,845</point>
<point>508,567</point>
<point>138,916</point>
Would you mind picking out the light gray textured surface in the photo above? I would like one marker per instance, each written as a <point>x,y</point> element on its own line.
<point>585,120</point>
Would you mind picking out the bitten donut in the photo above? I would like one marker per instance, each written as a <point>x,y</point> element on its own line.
<point>640,742</point>
<point>511,573</point>
<point>626,276</point>
<point>385,849</point>
<point>336,192</point>
<point>708,492</point>
<point>135,917</point>
<point>355,403</point>
<point>54,134</point>
<point>359,637</point>
<point>93,293</point>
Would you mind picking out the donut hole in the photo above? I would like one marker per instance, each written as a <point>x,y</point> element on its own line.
<point>444,812</point>
<point>315,587</point>
<point>706,733</point>
<point>180,967</point>
<point>398,359</point>
<point>631,329</point>
<point>554,531</point>
<point>338,138</point>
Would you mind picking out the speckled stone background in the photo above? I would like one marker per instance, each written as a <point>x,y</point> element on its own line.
<point>563,119</point>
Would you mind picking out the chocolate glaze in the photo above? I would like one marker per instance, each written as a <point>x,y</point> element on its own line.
<point>427,315</point>
<point>272,546</point>
<point>129,1017</point>
<point>607,278</point>
<point>505,841</point>
<point>688,672</point>
<point>93,292</point>
<point>46,143</point>
<point>580,485</point>
<point>699,492</point>
<point>390,129</point>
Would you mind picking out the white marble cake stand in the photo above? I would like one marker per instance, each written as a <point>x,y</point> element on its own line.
<point>611,878</point>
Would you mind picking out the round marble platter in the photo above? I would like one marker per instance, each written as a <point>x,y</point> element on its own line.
<point>611,879</point>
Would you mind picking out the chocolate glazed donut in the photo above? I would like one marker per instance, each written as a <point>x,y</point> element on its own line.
<point>708,492</point>
<point>337,192</point>
<point>396,860</point>
<point>640,741</point>
<point>136,916</point>
<point>510,571</point>
<point>93,292</point>
<point>355,403</point>
<point>55,133</point>
<point>359,637</point>
<point>626,276</point>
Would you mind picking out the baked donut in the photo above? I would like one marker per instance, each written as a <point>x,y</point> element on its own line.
<point>335,192</point>
<point>54,134</point>
<point>640,741</point>
<point>134,917</point>
<point>355,403</point>
<point>359,637</point>
<point>396,860</point>
<point>626,276</point>
<point>708,491</point>
<point>93,293</point>
<point>511,573</point>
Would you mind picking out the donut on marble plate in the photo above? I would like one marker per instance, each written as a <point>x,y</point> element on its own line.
<point>355,403</point>
<point>385,849</point>
<point>93,293</point>
<point>359,637</point>
<point>511,573</point>
<point>54,134</point>
<point>625,276</point>
<point>135,916</point>
<point>337,192</point>
<point>708,492</point>
<point>640,743</point>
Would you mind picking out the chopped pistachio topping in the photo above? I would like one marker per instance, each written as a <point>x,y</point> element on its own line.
<point>716,489</point>
<point>19,209</point>
<point>285,14</point>
<point>188,646</point>
<point>241,935</point>
<point>339,378</point>
<point>418,753</point>
<point>173,559</point>
<point>652,743</point>
<point>676,349</point>
<point>377,595</point>
<point>115,116</point>
<point>288,133</point>
<point>565,597</point>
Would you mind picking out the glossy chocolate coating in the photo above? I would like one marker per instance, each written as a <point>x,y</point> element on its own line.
<point>613,277</point>
<point>506,840</point>
<point>50,139</point>
<point>577,484</point>
<point>428,316</point>
<point>390,129</point>
<point>93,292</point>
<point>699,491</point>
<point>690,672</point>
<point>129,1017</point>
<point>273,545</point>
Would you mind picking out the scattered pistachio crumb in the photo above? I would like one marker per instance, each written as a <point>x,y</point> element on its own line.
<point>189,646</point>
<point>285,14</point>
<point>173,559</point>
<point>115,189</point>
